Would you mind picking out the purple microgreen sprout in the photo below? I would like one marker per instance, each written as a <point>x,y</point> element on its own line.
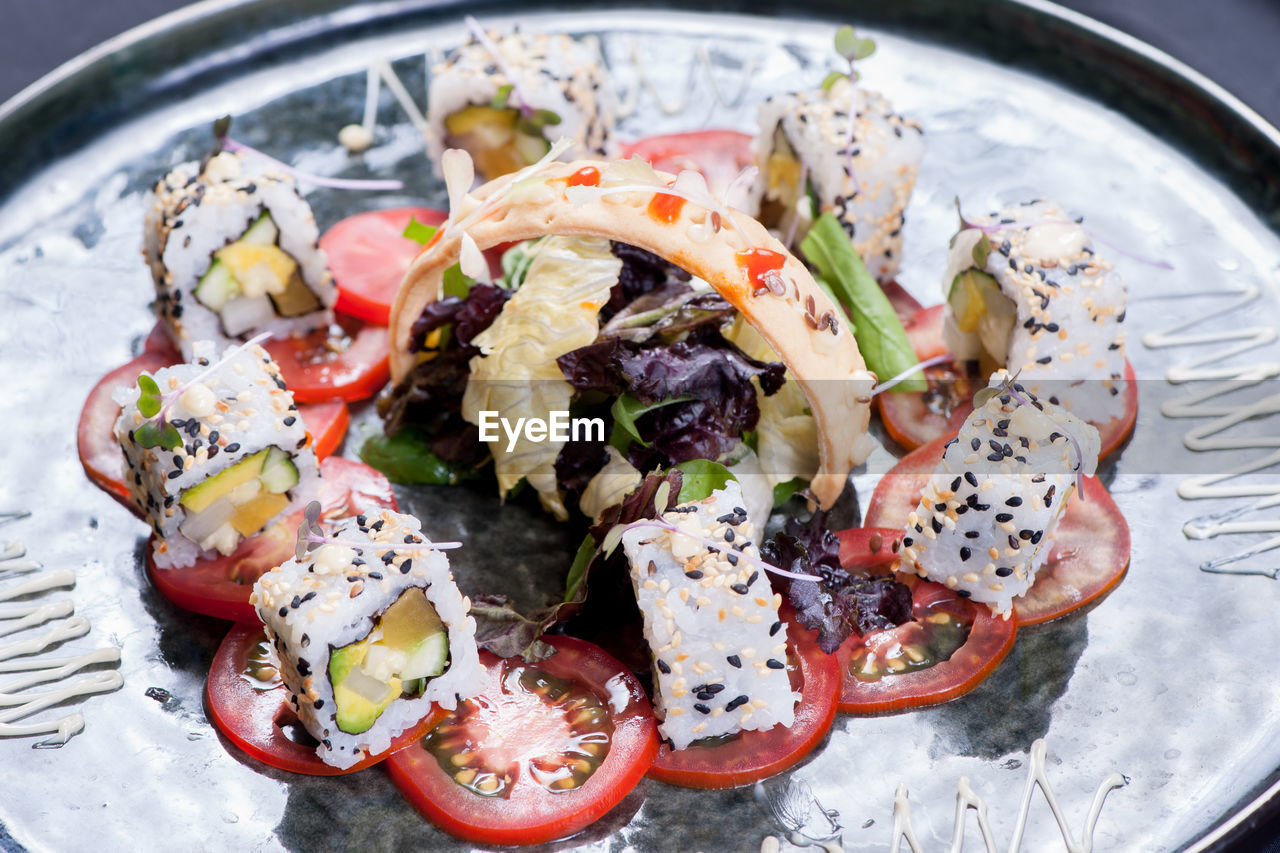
<point>945,358</point>
<point>221,132</point>
<point>155,406</point>
<point>512,88</point>
<point>1014,391</point>
<point>311,536</point>
<point>989,230</point>
<point>850,46</point>
<point>716,545</point>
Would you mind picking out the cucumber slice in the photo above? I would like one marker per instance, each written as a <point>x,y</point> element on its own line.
<point>427,660</point>
<point>263,232</point>
<point>296,300</point>
<point>279,474</point>
<point>217,287</point>
<point>531,148</point>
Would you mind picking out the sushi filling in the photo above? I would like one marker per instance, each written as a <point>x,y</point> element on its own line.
<point>408,645</point>
<point>978,306</point>
<point>238,501</point>
<point>499,140</point>
<point>250,281</point>
<point>790,202</point>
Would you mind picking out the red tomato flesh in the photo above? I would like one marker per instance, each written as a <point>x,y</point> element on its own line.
<point>718,154</point>
<point>914,420</point>
<point>246,700</point>
<point>349,362</point>
<point>368,255</point>
<point>1090,553</point>
<point>220,586</point>
<point>530,759</point>
<point>749,756</point>
<point>100,453</point>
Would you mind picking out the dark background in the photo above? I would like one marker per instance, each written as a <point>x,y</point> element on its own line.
<point>1234,42</point>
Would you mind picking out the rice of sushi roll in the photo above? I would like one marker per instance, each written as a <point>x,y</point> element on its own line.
<point>1026,291</point>
<point>233,253</point>
<point>370,631</point>
<point>243,456</point>
<point>711,621</point>
<point>560,89</point>
<point>985,521</point>
<point>806,169</point>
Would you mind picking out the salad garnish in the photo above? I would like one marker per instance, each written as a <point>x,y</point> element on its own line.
<point>153,405</point>
<point>312,536</point>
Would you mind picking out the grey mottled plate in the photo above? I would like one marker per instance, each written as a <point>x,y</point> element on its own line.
<point>1171,680</point>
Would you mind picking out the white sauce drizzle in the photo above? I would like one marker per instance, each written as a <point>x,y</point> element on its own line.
<point>701,60</point>
<point>1205,437</point>
<point>16,701</point>
<point>967,798</point>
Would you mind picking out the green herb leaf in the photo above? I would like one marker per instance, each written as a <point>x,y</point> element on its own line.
<point>147,435</point>
<point>850,46</point>
<point>533,123</point>
<point>626,409</point>
<point>149,396</point>
<point>981,251</point>
<point>832,78</point>
<point>407,458</point>
<point>499,101</point>
<point>701,478</point>
<point>419,232</point>
<point>782,492</point>
<point>222,127</point>
<point>456,283</point>
<point>881,338</point>
<point>515,264</point>
<point>170,438</point>
<point>983,396</point>
<point>578,571</point>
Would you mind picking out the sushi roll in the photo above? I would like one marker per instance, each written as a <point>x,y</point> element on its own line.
<point>234,253</point>
<point>813,159</point>
<point>711,621</point>
<point>504,98</point>
<point>239,457</point>
<point>985,521</point>
<point>370,631</point>
<point>1027,292</point>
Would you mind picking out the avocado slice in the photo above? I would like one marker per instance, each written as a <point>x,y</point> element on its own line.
<point>408,643</point>
<point>201,495</point>
<point>296,299</point>
<point>263,232</point>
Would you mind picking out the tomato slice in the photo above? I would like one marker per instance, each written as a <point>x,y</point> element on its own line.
<point>368,255</point>
<point>904,304</point>
<point>220,586</point>
<point>914,420</point>
<point>349,363</point>
<point>533,728</point>
<point>100,453</point>
<point>748,757</point>
<point>1090,553</point>
<point>950,648</point>
<point>718,154</point>
<point>246,700</point>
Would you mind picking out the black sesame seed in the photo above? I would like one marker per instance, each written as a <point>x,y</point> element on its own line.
<point>377,576</point>
<point>995,457</point>
<point>775,628</point>
<point>1002,517</point>
<point>936,525</point>
<point>732,558</point>
<point>284,611</point>
<point>406,566</point>
<point>296,603</point>
<point>388,557</point>
<point>1013,501</point>
<point>701,709</point>
<point>754,577</point>
<point>319,704</point>
<point>774,663</point>
<point>971,478</point>
<point>1004,571</point>
<point>963,593</point>
<point>962,509</point>
<point>1014,543</point>
<point>664,667</point>
<point>1035,537</point>
<point>724,519</point>
<point>955,484</point>
<point>1024,535</point>
<point>906,541</point>
<point>704,696</point>
<point>976,444</point>
<point>740,588</point>
<point>734,704</point>
<point>693,575</point>
<point>232,447</point>
<point>728,536</point>
<point>965,553</point>
<point>971,534</point>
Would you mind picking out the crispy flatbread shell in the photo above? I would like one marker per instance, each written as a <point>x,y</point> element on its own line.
<point>824,361</point>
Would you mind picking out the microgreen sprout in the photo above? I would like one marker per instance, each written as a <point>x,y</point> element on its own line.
<point>919,367</point>
<point>221,133</point>
<point>851,47</point>
<point>1009,387</point>
<point>154,405</point>
<point>614,536</point>
<point>311,536</point>
<point>532,121</point>
<point>980,254</point>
